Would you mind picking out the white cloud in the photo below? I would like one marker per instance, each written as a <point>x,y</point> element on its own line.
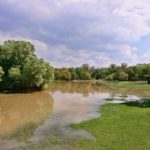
<point>61,56</point>
<point>72,32</point>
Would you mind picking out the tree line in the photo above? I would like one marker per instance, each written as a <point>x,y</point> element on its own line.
<point>21,68</point>
<point>114,72</point>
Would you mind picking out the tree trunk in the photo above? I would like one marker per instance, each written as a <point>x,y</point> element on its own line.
<point>148,81</point>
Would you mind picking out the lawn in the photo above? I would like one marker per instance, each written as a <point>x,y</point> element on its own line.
<point>129,84</point>
<point>140,88</point>
<point>121,127</point>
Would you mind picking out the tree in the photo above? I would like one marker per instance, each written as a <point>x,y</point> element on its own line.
<point>62,74</point>
<point>85,67</point>
<point>1,73</point>
<point>22,67</point>
<point>73,73</point>
<point>103,73</point>
<point>121,76</point>
<point>84,72</point>
<point>134,73</point>
<point>14,53</point>
<point>146,71</point>
<point>85,76</point>
<point>36,72</point>
<point>123,66</point>
<point>49,73</point>
<point>14,73</point>
<point>113,68</point>
<point>92,71</point>
<point>97,74</point>
<point>147,77</point>
<point>78,72</point>
<point>110,77</point>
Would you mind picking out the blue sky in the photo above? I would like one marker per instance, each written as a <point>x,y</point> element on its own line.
<point>72,32</point>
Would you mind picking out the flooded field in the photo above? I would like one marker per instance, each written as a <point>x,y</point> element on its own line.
<point>28,119</point>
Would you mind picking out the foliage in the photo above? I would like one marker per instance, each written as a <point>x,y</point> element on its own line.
<point>85,75</point>
<point>146,70</point>
<point>14,73</point>
<point>110,77</point>
<point>81,73</point>
<point>1,73</point>
<point>121,76</point>
<point>22,67</point>
<point>85,67</point>
<point>13,53</point>
<point>36,72</point>
<point>113,72</point>
<point>62,74</point>
<point>73,73</point>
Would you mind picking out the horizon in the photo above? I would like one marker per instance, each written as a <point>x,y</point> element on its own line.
<point>69,33</point>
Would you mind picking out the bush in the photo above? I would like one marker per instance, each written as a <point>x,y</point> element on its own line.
<point>121,76</point>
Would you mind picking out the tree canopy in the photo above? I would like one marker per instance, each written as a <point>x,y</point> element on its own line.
<point>21,68</point>
<point>113,72</point>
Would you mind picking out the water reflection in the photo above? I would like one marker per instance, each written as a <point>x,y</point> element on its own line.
<point>83,88</point>
<point>69,109</point>
<point>79,107</point>
<point>16,110</point>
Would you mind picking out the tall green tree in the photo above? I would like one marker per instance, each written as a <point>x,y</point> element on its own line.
<point>85,67</point>
<point>62,74</point>
<point>121,76</point>
<point>13,53</point>
<point>146,71</point>
<point>73,73</point>
<point>22,67</point>
<point>36,72</point>
<point>84,72</point>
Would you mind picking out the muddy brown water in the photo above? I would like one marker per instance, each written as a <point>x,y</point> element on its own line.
<point>51,112</point>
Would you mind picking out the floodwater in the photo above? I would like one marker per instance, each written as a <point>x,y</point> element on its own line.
<point>27,119</point>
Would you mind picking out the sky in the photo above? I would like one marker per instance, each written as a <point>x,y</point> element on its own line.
<point>73,32</point>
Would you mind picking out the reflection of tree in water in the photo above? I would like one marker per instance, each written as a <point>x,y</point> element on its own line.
<point>17,110</point>
<point>84,88</point>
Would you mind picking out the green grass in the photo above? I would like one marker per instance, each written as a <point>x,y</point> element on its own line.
<point>128,84</point>
<point>121,127</point>
<point>140,88</point>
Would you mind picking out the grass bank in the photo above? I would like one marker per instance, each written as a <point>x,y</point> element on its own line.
<point>140,88</point>
<point>121,127</point>
<point>130,84</point>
